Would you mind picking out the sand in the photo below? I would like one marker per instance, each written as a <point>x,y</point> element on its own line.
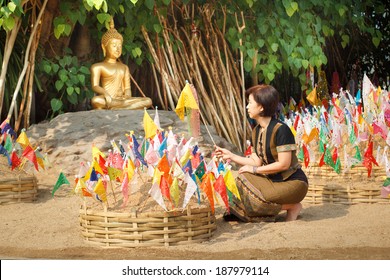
<point>48,229</point>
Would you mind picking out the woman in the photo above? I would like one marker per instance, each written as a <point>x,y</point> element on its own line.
<point>270,179</point>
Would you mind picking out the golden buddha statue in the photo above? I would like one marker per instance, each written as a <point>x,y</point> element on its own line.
<point>110,78</point>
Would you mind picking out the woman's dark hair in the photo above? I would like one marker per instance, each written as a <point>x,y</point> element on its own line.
<point>267,96</point>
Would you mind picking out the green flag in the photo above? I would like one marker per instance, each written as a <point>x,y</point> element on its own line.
<point>301,155</point>
<point>337,166</point>
<point>358,155</point>
<point>60,181</point>
<point>386,182</point>
<point>8,144</point>
<point>328,159</point>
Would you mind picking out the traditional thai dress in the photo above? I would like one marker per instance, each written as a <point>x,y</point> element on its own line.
<point>264,195</point>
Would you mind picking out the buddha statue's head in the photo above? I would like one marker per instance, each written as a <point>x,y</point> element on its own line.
<point>112,41</point>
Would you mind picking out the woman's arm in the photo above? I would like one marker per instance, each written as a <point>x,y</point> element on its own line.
<point>253,160</point>
<point>283,163</point>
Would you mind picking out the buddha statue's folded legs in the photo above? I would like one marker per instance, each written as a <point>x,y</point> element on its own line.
<point>132,103</point>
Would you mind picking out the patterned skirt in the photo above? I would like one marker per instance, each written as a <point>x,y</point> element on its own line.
<point>252,207</point>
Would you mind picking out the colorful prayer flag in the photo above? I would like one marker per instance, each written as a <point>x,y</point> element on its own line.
<point>60,181</point>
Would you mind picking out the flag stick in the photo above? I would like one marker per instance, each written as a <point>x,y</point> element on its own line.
<point>112,189</point>
<point>211,137</point>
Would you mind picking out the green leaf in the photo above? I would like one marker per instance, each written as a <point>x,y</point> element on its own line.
<point>55,68</point>
<point>136,52</point>
<point>248,65</point>
<point>102,17</point>
<point>294,5</point>
<point>290,11</point>
<point>61,28</point>
<point>309,40</point>
<point>260,43</point>
<point>98,4</point>
<point>305,63</point>
<point>11,6</point>
<point>341,11</point>
<point>9,23</point>
<point>63,75</point>
<point>274,47</point>
<point>69,90</point>
<point>149,4</point>
<point>47,68</point>
<point>56,104</point>
<point>72,98</point>
<point>81,78</point>
<point>134,1</point>
<point>59,85</point>
<point>376,41</point>
<point>270,76</point>
<point>84,70</point>
<point>157,28</point>
<point>77,90</point>
<point>166,2</point>
<point>251,53</point>
<point>67,29</point>
<point>121,9</point>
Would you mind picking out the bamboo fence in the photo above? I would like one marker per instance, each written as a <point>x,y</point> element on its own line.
<point>148,229</point>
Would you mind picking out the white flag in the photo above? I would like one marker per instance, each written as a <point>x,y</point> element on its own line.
<point>190,190</point>
<point>155,193</point>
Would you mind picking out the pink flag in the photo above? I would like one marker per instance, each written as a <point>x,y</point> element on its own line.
<point>125,189</point>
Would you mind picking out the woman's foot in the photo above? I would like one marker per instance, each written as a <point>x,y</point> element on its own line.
<point>293,211</point>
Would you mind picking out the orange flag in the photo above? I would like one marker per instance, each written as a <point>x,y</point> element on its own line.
<point>206,186</point>
<point>164,187</point>
<point>163,166</point>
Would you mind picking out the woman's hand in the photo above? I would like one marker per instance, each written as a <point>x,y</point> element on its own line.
<point>246,168</point>
<point>223,153</point>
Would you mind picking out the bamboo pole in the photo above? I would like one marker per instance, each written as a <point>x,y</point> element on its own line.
<point>240,29</point>
<point>26,62</point>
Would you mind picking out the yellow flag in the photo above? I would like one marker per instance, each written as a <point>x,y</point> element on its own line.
<point>96,152</point>
<point>312,97</point>
<point>100,190</point>
<point>149,126</point>
<point>97,167</point>
<point>231,184</point>
<point>174,191</point>
<point>23,139</point>
<point>294,132</point>
<point>157,176</point>
<point>313,135</point>
<point>79,186</point>
<point>186,100</point>
<point>185,157</point>
<point>130,169</point>
<point>88,174</point>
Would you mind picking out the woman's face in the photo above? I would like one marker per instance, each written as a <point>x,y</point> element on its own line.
<point>254,108</point>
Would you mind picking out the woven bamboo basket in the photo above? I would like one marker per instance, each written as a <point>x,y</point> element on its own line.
<point>378,173</point>
<point>18,189</point>
<point>320,193</point>
<point>113,229</point>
